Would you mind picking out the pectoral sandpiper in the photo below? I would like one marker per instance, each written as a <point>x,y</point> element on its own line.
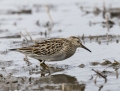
<point>54,49</point>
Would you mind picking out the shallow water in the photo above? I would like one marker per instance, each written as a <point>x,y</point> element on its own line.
<point>68,20</point>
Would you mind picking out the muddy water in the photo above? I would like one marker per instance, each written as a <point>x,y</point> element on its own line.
<point>55,82</point>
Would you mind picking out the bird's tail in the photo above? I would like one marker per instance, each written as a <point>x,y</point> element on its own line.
<point>12,49</point>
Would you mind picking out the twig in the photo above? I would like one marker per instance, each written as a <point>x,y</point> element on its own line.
<point>100,88</point>
<point>48,12</point>
<point>30,80</point>
<point>12,36</point>
<point>104,10</point>
<point>28,35</point>
<point>107,23</point>
<point>117,75</point>
<point>95,79</point>
<point>63,87</point>
<point>100,75</point>
<point>24,36</point>
<point>107,39</point>
<point>91,78</point>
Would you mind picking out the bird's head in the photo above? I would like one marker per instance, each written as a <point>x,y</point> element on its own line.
<point>77,42</point>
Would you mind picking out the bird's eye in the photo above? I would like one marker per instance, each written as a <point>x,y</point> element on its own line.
<point>78,41</point>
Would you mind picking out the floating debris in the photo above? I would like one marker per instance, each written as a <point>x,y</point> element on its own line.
<point>29,11</point>
<point>106,62</point>
<point>94,63</point>
<point>11,36</point>
<point>99,73</point>
<point>114,12</point>
<point>81,66</point>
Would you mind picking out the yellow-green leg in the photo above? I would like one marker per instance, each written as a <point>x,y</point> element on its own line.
<point>45,68</point>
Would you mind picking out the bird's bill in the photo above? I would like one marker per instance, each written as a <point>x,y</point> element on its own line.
<point>86,48</point>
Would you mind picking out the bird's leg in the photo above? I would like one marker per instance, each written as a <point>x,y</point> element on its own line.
<point>42,64</point>
<point>45,68</point>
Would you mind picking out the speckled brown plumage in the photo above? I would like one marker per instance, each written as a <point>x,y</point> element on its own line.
<point>55,49</point>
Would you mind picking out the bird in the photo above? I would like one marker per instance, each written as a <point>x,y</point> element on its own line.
<point>54,49</point>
